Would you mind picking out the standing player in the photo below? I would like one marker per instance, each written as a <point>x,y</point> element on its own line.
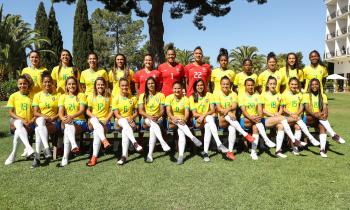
<point>221,71</point>
<point>64,70</point>
<point>141,76</point>
<point>315,70</point>
<point>197,70</point>
<point>291,69</point>
<point>171,71</point>
<point>34,72</point>
<point>88,76</point>
<point>245,74</point>
<point>120,70</point>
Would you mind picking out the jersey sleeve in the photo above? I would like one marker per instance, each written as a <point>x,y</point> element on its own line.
<point>186,103</point>
<point>36,100</point>
<point>82,78</point>
<point>241,101</point>
<point>187,69</point>
<point>212,77</point>
<point>211,99</point>
<point>82,99</point>
<point>61,100</point>
<point>325,99</point>
<point>324,73</point>
<point>54,74</point>
<point>136,77</point>
<point>260,79</point>
<point>110,76</point>
<point>162,99</point>
<point>261,99</point>
<point>140,100</point>
<point>105,75</point>
<point>134,102</point>
<point>11,101</point>
<point>89,101</point>
<point>131,74</point>
<point>115,103</point>
<point>167,101</point>
<point>236,80</point>
<point>192,104</point>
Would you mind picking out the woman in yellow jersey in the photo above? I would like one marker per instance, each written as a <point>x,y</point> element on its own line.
<point>226,104</point>
<point>242,76</point>
<point>88,76</point>
<point>271,101</point>
<point>315,70</point>
<point>71,112</point>
<point>120,70</point>
<point>202,105</point>
<point>45,106</point>
<point>250,105</point>
<point>100,113</point>
<point>22,120</point>
<point>293,108</point>
<point>124,106</point>
<point>221,71</point>
<point>271,71</point>
<point>177,107</point>
<point>316,106</point>
<point>291,69</point>
<point>64,70</point>
<point>151,108</point>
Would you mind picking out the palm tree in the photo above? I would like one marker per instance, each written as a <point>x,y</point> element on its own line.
<point>238,54</point>
<point>184,56</point>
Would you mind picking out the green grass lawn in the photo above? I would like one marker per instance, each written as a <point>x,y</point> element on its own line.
<point>297,182</point>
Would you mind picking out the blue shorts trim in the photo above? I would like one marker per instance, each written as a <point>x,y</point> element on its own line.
<point>82,123</point>
<point>304,118</point>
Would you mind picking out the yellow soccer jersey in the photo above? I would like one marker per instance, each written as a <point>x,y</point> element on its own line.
<point>226,101</point>
<point>250,102</point>
<point>72,104</point>
<point>61,77</point>
<point>154,102</point>
<point>291,101</point>
<point>298,73</point>
<point>100,106</point>
<point>125,105</point>
<point>35,74</point>
<point>47,103</point>
<point>310,72</point>
<point>178,106</point>
<point>88,78</point>
<point>22,104</point>
<point>240,79</point>
<point>119,74</point>
<point>315,106</point>
<point>271,102</point>
<point>217,74</point>
<point>203,104</point>
<point>262,79</point>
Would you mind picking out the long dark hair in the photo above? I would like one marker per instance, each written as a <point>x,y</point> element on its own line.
<point>318,93</point>
<point>126,70</point>
<point>195,93</point>
<point>268,80</point>
<point>295,66</point>
<point>146,95</point>
<point>70,64</point>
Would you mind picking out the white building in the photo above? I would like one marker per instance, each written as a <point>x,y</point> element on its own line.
<point>337,47</point>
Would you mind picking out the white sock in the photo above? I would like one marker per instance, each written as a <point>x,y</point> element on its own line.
<point>66,147</point>
<point>181,142</point>
<point>231,137</point>
<point>297,135</point>
<point>255,142</point>
<point>96,144</point>
<point>236,125</point>
<point>279,140</point>
<point>69,129</point>
<point>305,130</point>
<point>125,144</point>
<point>21,132</point>
<point>328,127</point>
<point>157,131</point>
<point>152,142</point>
<point>127,129</point>
<point>213,129</point>
<point>262,131</point>
<point>98,128</point>
<point>323,141</point>
<point>207,137</point>
<point>37,143</point>
<point>288,130</point>
<point>43,132</point>
<point>186,131</point>
<point>14,145</point>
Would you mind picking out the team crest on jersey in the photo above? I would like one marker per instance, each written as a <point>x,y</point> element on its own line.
<point>177,69</point>
<point>53,98</point>
<point>206,100</point>
<point>130,102</point>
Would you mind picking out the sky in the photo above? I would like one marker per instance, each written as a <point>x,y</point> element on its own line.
<point>280,26</point>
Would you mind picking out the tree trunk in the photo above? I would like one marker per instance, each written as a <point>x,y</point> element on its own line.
<point>156,31</point>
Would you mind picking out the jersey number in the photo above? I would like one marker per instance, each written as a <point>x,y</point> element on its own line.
<point>197,75</point>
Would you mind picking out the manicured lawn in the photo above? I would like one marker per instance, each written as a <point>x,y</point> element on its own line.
<point>297,182</point>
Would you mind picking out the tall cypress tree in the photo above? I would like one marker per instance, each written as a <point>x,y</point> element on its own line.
<point>55,36</point>
<point>42,27</point>
<point>82,38</point>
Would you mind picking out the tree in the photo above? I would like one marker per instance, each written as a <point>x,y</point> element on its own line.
<point>42,28</point>
<point>178,8</point>
<point>116,33</point>
<point>54,34</point>
<point>82,38</point>
<point>238,54</point>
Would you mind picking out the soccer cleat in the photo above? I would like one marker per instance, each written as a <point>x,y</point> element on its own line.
<point>323,154</point>
<point>295,151</point>
<point>230,156</point>
<point>36,163</point>
<point>166,148</point>
<point>280,154</point>
<point>92,161</point>
<point>338,139</point>
<point>249,138</point>
<point>10,160</point>
<point>196,141</point>
<point>64,162</point>
<point>253,155</point>
<point>206,157</point>
<point>106,144</point>
<point>122,161</point>
<point>299,143</point>
<point>222,148</point>
<point>180,160</point>
<point>137,147</point>
<point>47,153</point>
<point>314,142</point>
<point>149,159</point>
<point>75,150</point>
<point>269,143</point>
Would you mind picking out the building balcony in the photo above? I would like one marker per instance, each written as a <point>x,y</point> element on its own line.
<point>342,31</point>
<point>330,36</point>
